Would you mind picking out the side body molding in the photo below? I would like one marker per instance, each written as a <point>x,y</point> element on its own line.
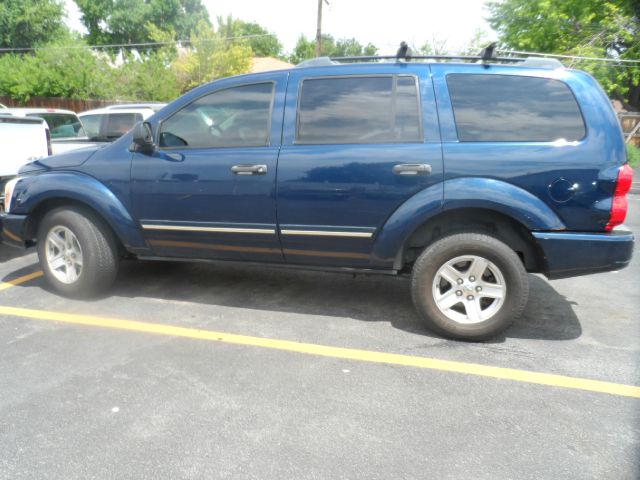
<point>33,190</point>
<point>467,192</point>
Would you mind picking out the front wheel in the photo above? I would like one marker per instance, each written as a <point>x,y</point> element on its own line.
<point>469,286</point>
<point>77,252</point>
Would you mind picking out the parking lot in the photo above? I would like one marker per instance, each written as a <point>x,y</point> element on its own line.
<point>207,371</point>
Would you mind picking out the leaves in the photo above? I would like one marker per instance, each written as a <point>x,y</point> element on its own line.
<point>262,42</point>
<point>124,21</point>
<point>212,56</point>
<point>345,47</point>
<point>27,23</point>
<point>589,28</point>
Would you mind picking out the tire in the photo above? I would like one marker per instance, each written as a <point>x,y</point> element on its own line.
<point>461,306</point>
<point>77,252</point>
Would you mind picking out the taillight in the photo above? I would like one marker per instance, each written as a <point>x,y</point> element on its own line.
<point>619,205</point>
<point>49,149</point>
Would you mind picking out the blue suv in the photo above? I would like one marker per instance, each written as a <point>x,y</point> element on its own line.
<point>465,176</point>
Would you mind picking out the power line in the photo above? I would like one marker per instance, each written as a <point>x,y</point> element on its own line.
<point>570,57</point>
<point>132,45</point>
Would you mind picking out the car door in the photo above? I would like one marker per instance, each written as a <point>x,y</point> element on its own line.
<point>355,147</point>
<point>208,189</point>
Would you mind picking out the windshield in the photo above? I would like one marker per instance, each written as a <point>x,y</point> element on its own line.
<point>62,125</point>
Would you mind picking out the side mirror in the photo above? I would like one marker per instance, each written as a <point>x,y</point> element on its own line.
<point>143,138</point>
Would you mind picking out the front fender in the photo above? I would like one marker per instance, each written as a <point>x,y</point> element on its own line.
<point>31,191</point>
<point>459,193</point>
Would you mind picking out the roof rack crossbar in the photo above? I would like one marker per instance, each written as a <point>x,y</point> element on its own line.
<point>427,57</point>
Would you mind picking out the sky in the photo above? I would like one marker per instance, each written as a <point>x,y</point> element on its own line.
<point>383,23</point>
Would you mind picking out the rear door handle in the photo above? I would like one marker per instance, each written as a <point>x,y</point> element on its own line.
<point>412,169</point>
<point>249,169</point>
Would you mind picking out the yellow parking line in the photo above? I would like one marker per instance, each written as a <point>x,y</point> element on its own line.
<point>335,352</point>
<point>19,280</point>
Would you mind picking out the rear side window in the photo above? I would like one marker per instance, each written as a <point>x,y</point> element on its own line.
<point>61,125</point>
<point>234,117</point>
<point>511,108</point>
<point>91,124</point>
<point>120,123</point>
<point>382,109</point>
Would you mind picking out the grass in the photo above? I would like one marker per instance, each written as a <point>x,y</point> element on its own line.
<point>633,155</point>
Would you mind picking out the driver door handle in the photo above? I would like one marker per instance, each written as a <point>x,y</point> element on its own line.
<point>249,169</point>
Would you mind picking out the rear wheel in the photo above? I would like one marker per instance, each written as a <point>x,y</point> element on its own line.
<point>469,286</point>
<point>77,252</point>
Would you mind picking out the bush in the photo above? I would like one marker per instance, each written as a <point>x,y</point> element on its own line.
<point>633,155</point>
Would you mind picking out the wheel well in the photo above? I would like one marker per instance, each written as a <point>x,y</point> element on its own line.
<point>38,213</point>
<point>490,222</point>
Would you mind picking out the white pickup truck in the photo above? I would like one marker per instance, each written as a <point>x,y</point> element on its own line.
<point>23,139</point>
<point>67,132</point>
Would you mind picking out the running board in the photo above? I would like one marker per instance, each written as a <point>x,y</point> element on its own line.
<point>359,271</point>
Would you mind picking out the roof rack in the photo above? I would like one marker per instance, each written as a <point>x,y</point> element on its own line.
<point>486,57</point>
<point>469,58</point>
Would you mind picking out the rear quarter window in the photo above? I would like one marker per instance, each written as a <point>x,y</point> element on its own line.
<point>91,124</point>
<point>120,123</point>
<point>61,125</point>
<point>512,108</point>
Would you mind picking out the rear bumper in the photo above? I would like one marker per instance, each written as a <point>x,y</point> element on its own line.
<point>572,254</point>
<point>12,230</point>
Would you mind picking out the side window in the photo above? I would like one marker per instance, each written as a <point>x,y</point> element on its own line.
<point>120,123</point>
<point>512,108</point>
<point>383,109</point>
<point>234,117</point>
<point>91,124</point>
<point>61,125</point>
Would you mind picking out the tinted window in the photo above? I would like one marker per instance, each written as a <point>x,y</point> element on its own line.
<point>120,123</point>
<point>502,108</point>
<point>61,125</point>
<point>235,117</point>
<point>91,124</point>
<point>359,110</point>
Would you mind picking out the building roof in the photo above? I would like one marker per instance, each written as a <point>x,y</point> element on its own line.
<point>266,64</point>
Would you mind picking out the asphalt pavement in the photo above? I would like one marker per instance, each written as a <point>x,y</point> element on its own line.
<point>202,371</point>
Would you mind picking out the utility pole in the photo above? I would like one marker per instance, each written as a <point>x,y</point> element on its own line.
<point>319,29</point>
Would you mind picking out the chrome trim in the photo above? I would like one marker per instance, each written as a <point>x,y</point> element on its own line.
<point>209,229</point>
<point>326,233</point>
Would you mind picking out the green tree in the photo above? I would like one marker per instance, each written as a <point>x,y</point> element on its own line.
<point>149,75</point>
<point>126,21</point>
<point>59,69</point>
<point>593,28</point>
<point>212,56</point>
<point>350,47</point>
<point>262,42</point>
<point>329,47</point>
<point>437,46</point>
<point>28,23</point>
<point>305,49</point>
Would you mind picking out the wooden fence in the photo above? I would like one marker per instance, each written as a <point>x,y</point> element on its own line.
<point>630,122</point>
<point>67,103</point>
